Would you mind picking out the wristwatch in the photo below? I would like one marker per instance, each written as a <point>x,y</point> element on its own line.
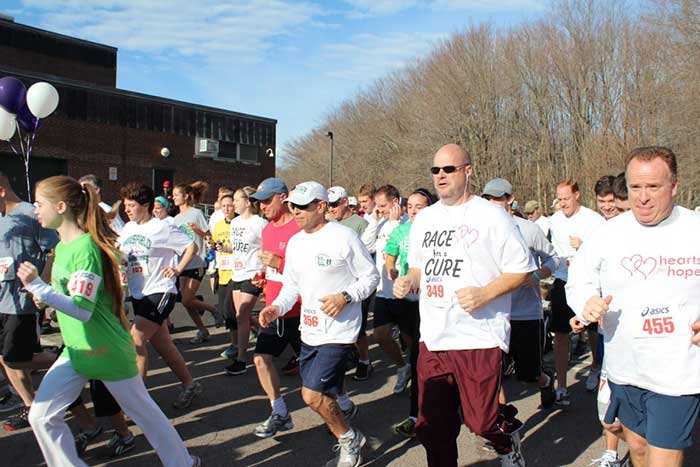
<point>346,296</point>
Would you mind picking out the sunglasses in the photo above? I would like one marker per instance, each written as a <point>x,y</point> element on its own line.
<point>302,207</point>
<point>334,204</point>
<point>448,169</point>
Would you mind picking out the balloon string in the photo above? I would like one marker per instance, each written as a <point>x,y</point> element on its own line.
<point>24,146</point>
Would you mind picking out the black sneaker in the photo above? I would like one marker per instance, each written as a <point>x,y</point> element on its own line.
<point>236,368</point>
<point>118,445</point>
<point>83,438</point>
<point>547,393</point>
<point>363,371</point>
<point>19,421</point>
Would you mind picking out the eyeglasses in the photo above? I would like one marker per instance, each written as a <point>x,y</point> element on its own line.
<point>448,169</point>
<point>303,207</point>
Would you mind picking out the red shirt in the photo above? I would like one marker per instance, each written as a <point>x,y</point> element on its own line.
<point>275,239</point>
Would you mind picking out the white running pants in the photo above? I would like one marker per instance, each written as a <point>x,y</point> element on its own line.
<point>62,385</point>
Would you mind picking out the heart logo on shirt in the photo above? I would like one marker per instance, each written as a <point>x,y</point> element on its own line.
<point>470,236</point>
<point>638,264</point>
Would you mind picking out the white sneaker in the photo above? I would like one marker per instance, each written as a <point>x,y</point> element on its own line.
<point>515,457</point>
<point>608,459</point>
<point>593,379</point>
<point>403,375</point>
<point>350,454</point>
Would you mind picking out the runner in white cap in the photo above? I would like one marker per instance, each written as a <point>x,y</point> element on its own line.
<point>329,267</point>
<point>638,277</point>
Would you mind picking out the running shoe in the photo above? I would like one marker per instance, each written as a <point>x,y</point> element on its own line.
<point>118,445</point>
<point>562,398</point>
<point>403,375</point>
<point>508,366</point>
<point>350,413</point>
<point>187,394</point>
<point>362,371</point>
<point>515,457</point>
<point>236,368</point>
<point>593,379</point>
<point>292,367</point>
<point>547,394</point>
<point>201,336</point>
<point>274,423</point>
<point>218,318</point>
<point>19,421</point>
<point>231,352</point>
<point>10,402</point>
<point>405,428</point>
<point>349,451</point>
<point>83,438</point>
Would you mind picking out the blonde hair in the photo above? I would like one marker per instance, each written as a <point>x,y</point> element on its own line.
<point>247,191</point>
<point>82,201</point>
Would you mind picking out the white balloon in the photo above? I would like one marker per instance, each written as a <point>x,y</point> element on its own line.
<point>8,124</point>
<point>42,99</point>
<point>165,152</point>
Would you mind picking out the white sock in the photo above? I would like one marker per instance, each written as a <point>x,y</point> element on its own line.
<point>612,452</point>
<point>279,407</point>
<point>348,434</point>
<point>344,401</point>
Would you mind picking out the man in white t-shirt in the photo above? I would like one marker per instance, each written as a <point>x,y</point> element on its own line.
<point>533,211</point>
<point>327,266</point>
<point>569,227</point>
<point>466,256</point>
<point>116,222</point>
<point>638,276</point>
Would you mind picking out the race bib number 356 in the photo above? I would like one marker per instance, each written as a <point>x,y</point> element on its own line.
<point>84,284</point>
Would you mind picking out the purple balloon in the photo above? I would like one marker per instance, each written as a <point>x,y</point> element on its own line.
<point>27,121</point>
<point>13,94</point>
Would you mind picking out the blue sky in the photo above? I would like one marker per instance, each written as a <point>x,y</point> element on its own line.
<point>285,59</point>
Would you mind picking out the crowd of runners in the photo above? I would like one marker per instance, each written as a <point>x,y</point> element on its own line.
<point>460,287</point>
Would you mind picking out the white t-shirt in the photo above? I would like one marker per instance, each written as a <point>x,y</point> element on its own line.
<point>196,217</point>
<point>147,249</point>
<point>461,246</point>
<point>543,223</point>
<point>326,262</point>
<point>215,217</point>
<point>527,301</point>
<point>579,225</point>
<point>653,276</point>
<point>386,285</point>
<point>246,240</point>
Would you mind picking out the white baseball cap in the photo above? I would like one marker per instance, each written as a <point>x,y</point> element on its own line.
<point>336,193</point>
<point>352,201</point>
<point>305,193</point>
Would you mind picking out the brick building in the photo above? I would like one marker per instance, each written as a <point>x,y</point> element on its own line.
<point>118,135</point>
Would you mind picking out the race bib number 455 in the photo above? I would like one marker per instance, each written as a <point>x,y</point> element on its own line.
<point>84,284</point>
<point>655,322</point>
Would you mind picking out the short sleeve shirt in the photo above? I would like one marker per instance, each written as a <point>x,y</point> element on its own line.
<point>22,238</point>
<point>99,348</point>
<point>196,217</point>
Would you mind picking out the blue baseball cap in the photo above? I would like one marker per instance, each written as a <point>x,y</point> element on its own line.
<point>268,188</point>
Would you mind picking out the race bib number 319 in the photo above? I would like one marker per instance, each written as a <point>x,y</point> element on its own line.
<point>84,284</point>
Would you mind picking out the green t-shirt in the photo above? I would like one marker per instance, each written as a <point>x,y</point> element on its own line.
<point>398,246</point>
<point>356,223</point>
<point>100,348</point>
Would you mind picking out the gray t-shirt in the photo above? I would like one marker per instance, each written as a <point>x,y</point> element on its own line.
<point>355,223</point>
<point>196,217</point>
<point>22,238</point>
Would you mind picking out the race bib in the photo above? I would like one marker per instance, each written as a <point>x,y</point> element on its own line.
<point>84,284</point>
<point>310,319</point>
<point>224,262</point>
<point>604,388</point>
<point>273,274</point>
<point>138,268</point>
<point>238,265</point>
<point>123,280</point>
<point>655,321</point>
<point>7,269</point>
<point>436,295</point>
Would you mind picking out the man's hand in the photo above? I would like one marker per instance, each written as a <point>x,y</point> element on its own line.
<point>393,274</point>
<point>376,214</point>
<point>332,304</point>
<point>27,272</point>
<point>596,307</point>
<point>696,333</point>
<point>576,325</point>
<point>402,285</point>
<point>471,298</point>
<point>575,242</point>
<point>270,259</point>
<point>395,212</point>
<point>268,315</point>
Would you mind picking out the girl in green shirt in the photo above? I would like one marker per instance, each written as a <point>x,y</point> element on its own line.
<point>87,294</point>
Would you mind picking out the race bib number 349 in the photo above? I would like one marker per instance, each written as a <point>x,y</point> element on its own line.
<point>84,284</point>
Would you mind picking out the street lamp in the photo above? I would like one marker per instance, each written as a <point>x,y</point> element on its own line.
<point>330,150</point>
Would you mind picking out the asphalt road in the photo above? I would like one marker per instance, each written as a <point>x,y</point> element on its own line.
<point>219,425</point>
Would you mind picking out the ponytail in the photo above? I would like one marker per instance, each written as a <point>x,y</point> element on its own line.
<point>194,191</point>
<point>246,192</point>
<point>83,203</point>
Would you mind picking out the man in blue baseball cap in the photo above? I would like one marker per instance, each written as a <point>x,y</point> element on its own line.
<point>270,187</point>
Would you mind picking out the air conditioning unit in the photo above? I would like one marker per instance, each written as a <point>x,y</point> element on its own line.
<point>208,146</point>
